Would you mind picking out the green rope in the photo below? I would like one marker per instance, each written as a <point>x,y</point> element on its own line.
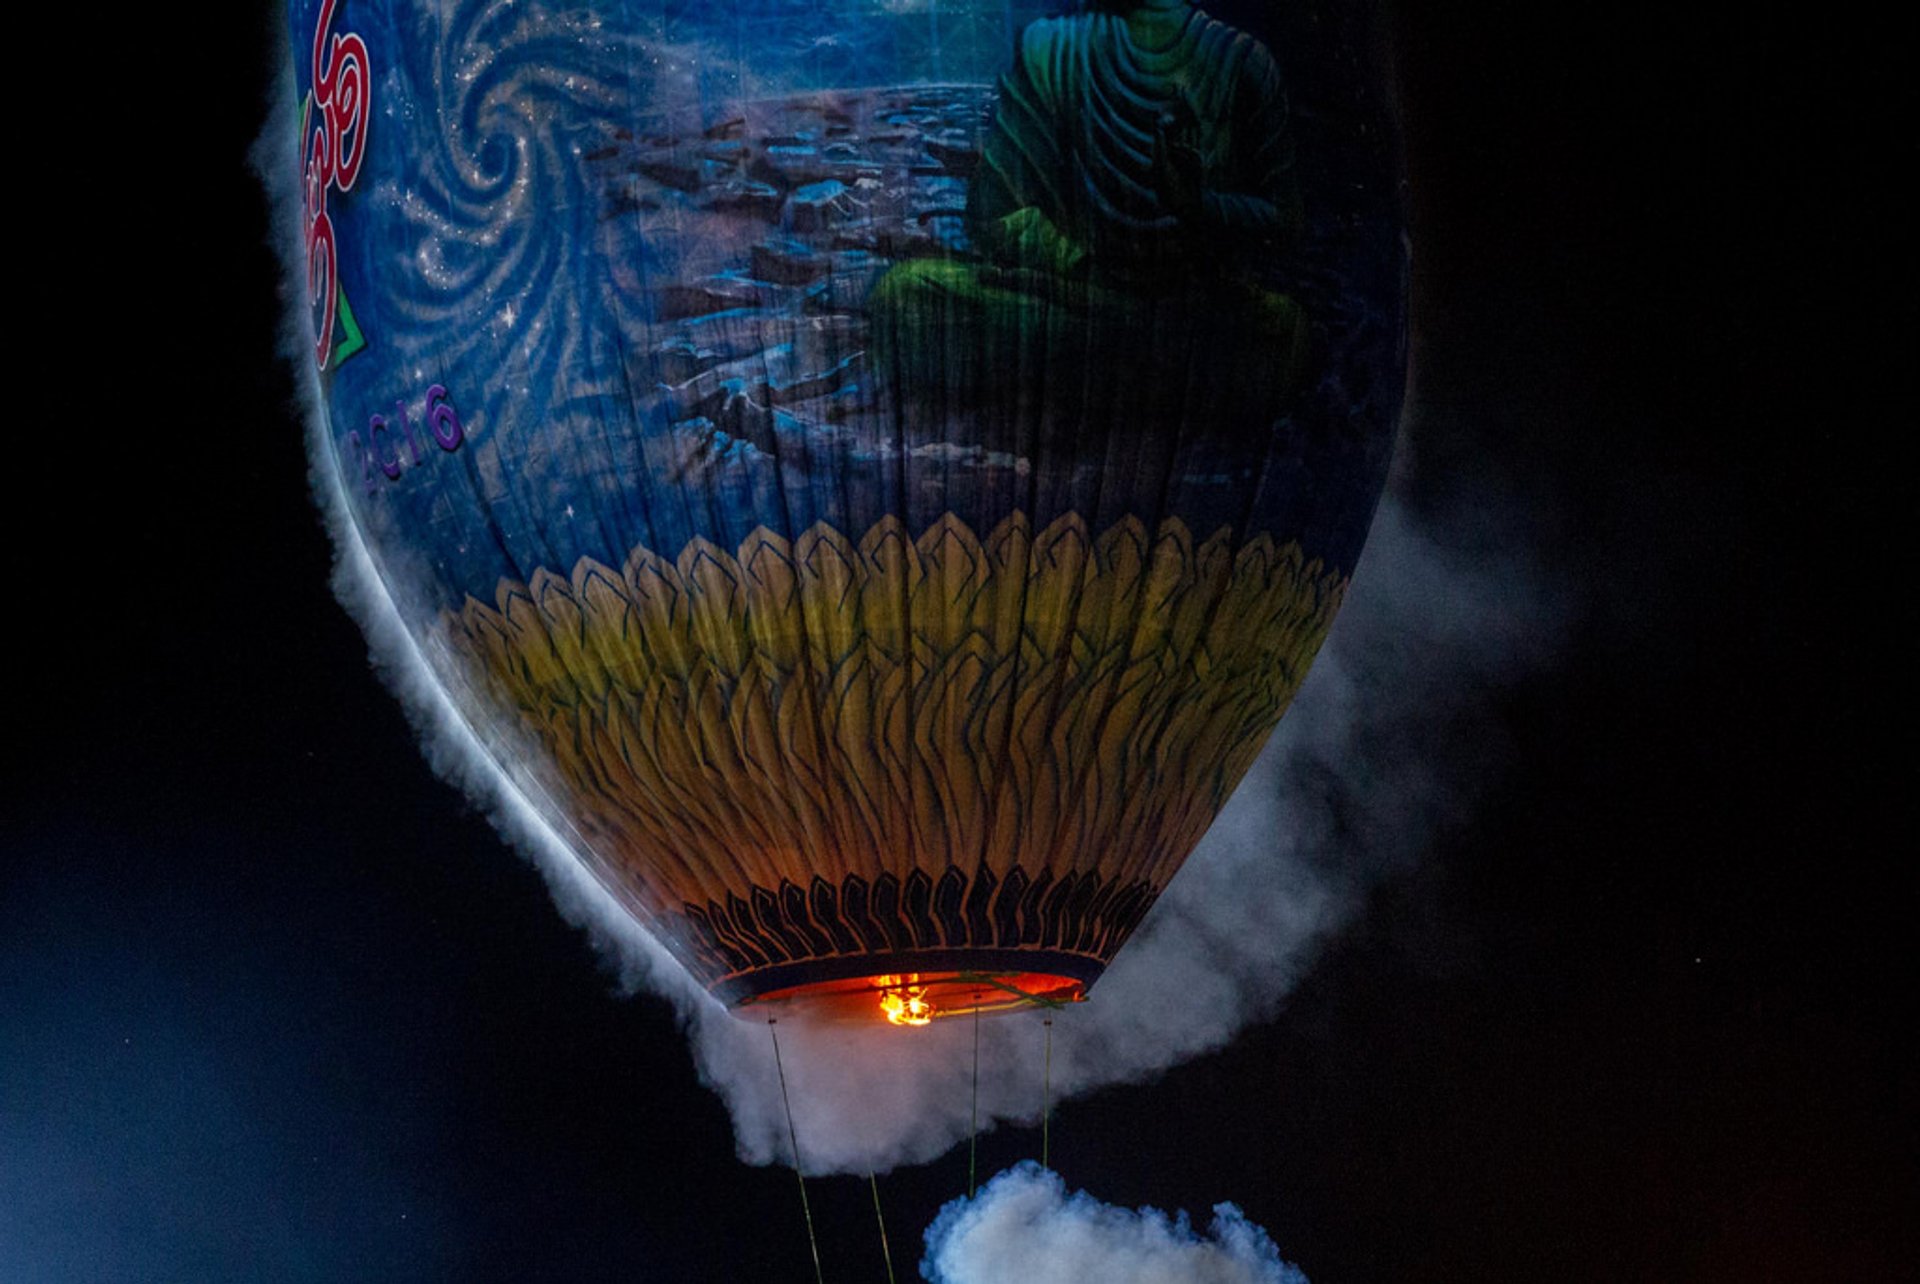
<point>999,982</point>
<point>794,1138</point>
<point>973,1140</point>
<point>885,1252</point>
<point>1046,1098</point>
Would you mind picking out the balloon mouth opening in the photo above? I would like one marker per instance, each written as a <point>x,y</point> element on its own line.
<point>912,999</point>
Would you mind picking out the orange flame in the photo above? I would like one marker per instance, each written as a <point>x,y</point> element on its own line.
<point>904,1005</point>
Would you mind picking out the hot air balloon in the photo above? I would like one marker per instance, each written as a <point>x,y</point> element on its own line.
<point>879,471</point>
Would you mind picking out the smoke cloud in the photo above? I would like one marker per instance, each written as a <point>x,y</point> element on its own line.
<point>1025,1225</point>
<point>1381,750</point>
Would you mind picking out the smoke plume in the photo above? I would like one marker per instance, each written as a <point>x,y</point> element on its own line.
<point>1381,749</point>
<point>1025,1225</point>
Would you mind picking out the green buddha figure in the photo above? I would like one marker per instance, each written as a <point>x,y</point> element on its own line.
<point>1138,168</point>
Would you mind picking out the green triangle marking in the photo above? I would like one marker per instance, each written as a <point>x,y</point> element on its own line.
<point>354,340</point>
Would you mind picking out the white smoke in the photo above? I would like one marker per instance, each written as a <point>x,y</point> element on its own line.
<point>1025,1225</point>
<point>1380,751</point>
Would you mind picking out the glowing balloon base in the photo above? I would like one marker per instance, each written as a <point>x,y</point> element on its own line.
<point>920,998</point>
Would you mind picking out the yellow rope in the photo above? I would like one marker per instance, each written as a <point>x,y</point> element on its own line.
<point>1046,1098</point>
<point>794,1139</point>
<point>973,1141</point>
<point>885,1252</point>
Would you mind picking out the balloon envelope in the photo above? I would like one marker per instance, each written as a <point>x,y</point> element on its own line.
<point>877,472</point>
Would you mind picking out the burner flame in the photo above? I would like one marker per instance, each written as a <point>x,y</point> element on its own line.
<point>904,1004</point>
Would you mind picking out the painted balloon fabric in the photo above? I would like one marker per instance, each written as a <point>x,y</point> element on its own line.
<point>878,470</point>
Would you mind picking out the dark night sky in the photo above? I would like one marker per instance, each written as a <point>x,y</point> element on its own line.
<point>275,1003</point>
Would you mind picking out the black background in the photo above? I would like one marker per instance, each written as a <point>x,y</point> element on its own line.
<point>276,1004</point>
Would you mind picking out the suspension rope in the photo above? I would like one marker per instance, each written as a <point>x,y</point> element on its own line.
<point>973,1140</point>
<point>885,1252</point>
<point>793,1138</point>
<point>1046,1098</point>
